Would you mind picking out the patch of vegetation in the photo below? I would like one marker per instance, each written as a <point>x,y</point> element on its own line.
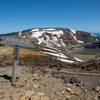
<point>31,72</point>
<point>27,58</point>
<point>4,56</point>
<point>2,44</point>
<point>71,59</point>
<point>86,52</point>
<point>37,58</point>
<point>91,61</point>
<point>16,79</point>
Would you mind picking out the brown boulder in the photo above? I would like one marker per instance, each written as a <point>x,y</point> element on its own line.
<point>88,85</point>
<point>18,84</point>
<point>96,89</point>
<point>66,79</point>
<point>74,80</point>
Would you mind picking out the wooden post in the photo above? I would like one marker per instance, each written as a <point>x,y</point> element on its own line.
<point>17,42</point>
<point>16,56</point>
<point>19,34</point>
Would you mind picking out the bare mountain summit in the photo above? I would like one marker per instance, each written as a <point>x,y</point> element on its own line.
<point>60,38</point>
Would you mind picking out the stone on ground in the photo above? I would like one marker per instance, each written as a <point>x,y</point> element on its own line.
<point>23,98</point>
<point>16,96</point>
<point>29,93</point>
<point>45,98</point>
<point>96,88</point>
<point>34,97</point>
<point>18,84</point>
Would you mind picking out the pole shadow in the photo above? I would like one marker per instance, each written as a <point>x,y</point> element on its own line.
<point>7,77</point>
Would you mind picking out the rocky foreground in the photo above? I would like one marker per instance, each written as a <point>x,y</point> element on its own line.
<point>39,84</point>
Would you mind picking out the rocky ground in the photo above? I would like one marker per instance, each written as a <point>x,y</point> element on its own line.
<point>92,67</point>
<point>40,84</point>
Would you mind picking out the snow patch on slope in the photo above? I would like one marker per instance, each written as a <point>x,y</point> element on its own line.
<point>65,60</point>
<point>60,56</point>
<point>58,33</point>
<point>36,34</point>
<point>93,35</point>
<point>73,31</point>
<point>63,43</point>
<point>54,54</point>
<point>50,50</point>
<point>78,59</point>
<point>55,34</point>
<point>35,29</point>
<point>97,39</point>
<point>76,39</point>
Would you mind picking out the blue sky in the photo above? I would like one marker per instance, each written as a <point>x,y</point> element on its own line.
<point>18,15</point>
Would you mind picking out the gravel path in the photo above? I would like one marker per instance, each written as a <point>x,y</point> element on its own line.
<point>85,77</point>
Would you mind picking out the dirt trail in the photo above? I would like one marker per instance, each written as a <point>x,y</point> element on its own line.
<point>85,77</point>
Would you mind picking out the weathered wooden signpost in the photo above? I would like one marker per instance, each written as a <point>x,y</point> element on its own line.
<point>16,42</point>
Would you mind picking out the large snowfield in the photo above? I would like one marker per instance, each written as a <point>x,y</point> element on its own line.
<point>60,56</point>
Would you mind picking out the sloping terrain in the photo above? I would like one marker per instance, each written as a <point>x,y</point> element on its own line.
<point>57,42</point>
<point>60,39</point>
<point>9,50</point>
<point>61,36</point>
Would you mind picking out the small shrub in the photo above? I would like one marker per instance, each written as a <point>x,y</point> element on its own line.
<point>2,44</point>
<point>4,56</point>
<point>36,59</point>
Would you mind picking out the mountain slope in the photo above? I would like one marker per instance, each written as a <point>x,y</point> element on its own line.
<point>60,38</point>
<point>58,42</point>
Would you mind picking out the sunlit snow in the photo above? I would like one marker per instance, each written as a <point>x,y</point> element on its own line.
<point>93,35</point>
<point>53,42</point>
<point>50,50</point>
<point>97,39</point>
<point>98,58</point>
<point>76,39</point>
<point>78,59</point>
<point>36,34</point>
<point>58,33</point>
<point>63,43</point>
<point>23,36</point>
<point>60,56</point>
<point>65,60</point>
<point>54,54</point>
<point>35,29</point>
<point>74,31</point>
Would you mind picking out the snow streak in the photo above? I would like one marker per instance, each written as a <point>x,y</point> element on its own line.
<point>79,41</point>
